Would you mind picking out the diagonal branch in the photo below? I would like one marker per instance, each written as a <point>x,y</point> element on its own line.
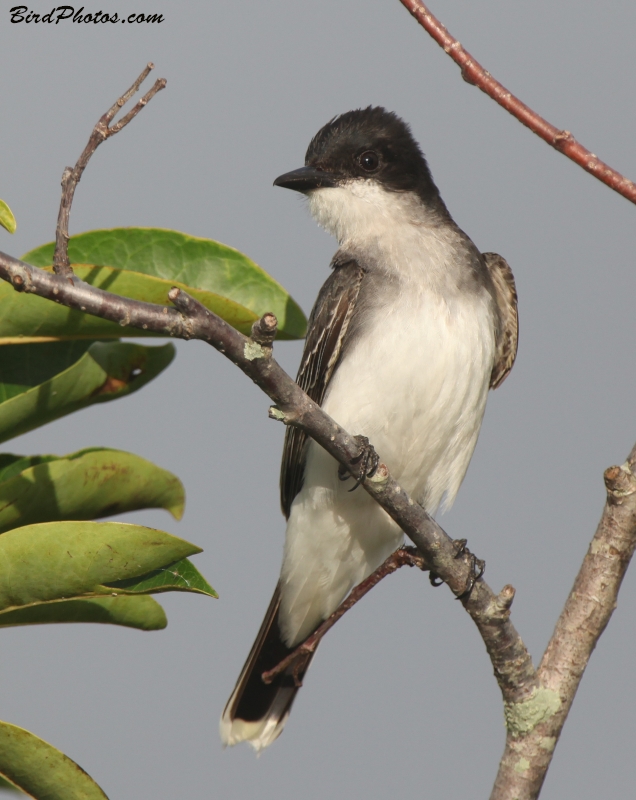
<point>474,73</point>
<point>71,177</point>
<point>191,320</point>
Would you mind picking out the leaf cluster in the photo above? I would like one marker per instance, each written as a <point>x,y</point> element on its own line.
<point>57,564</point>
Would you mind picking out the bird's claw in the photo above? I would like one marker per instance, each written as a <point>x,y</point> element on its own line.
<point>368,459</point>
<point>477,567</point>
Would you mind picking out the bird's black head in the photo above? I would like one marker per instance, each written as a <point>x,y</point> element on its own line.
<point>369,143</point>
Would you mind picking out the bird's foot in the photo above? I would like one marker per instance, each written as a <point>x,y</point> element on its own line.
<point>368,460</point>
<point>477,567</point>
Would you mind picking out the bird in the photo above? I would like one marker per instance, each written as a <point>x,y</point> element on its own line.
<point>410,330</point>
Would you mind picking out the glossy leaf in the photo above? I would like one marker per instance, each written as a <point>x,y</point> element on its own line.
<point>7,220</point>
<point>41,770</point>
<point>63,560</point>
<point>42,382</point>
<point>181,576</point>
<point>193,263</point>
<point>141,612</point>
<point>23,367</point>
<point>28,318</point>
<point>89,484</point>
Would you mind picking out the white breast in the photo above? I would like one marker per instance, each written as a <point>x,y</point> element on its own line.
<point>415,383</point>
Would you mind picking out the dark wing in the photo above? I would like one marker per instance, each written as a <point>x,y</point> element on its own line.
<point>508,331</point>
<point>327,329</point>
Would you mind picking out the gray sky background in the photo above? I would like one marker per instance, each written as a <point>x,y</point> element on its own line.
<point>400,700</point>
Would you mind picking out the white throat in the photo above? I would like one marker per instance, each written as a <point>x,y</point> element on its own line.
<point>391,231</point>
<point>362,210</point>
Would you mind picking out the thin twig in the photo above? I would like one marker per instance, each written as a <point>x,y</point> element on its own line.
<point>474,73</point>
<point>405,556</point>
<point>71,177</point>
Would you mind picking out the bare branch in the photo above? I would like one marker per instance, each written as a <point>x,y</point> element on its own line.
<point>511,661</point>
<point>474,73</point>
<point>534,726</point>
<point>158,85</point>
<point>71,177</point>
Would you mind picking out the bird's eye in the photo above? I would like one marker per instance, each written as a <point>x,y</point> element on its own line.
<point>368,160</point>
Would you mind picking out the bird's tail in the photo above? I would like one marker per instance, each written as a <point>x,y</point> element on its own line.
<point>257,712</point>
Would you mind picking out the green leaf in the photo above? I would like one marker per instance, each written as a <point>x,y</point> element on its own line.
<point>181,576</point>
<point>63,560</point>
<point>40,770</point>
<point>7,220</point>
<point>11,465</point>
<point>8,787</point>
<point>42,382</point>
<point>92,483</point>
<point>28,318</point>
<point>141,612</point>
<point>23,367</point>
<point>223,279</point>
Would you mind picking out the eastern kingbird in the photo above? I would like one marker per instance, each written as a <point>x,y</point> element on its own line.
<point>408,333</point>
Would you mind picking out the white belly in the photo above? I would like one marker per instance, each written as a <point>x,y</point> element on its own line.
<point>415,384</point>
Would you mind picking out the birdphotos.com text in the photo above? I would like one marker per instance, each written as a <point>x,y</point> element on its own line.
<point>71,14</point>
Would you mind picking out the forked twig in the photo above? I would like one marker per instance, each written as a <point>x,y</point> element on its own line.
<point>474,73</point>
<point>71,177</point>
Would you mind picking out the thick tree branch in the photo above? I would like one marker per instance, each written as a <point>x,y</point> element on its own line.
<point>71,177</point>
<point>474,73</point>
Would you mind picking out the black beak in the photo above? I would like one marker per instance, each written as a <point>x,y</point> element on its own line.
<point>305,179</point>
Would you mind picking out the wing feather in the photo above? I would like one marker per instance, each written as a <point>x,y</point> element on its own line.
<point>326,335</point>
<point>508,331</point>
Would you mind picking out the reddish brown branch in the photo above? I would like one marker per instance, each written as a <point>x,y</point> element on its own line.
<point>474,73</point>
<point>405,556</point>
<point>71,177</point>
